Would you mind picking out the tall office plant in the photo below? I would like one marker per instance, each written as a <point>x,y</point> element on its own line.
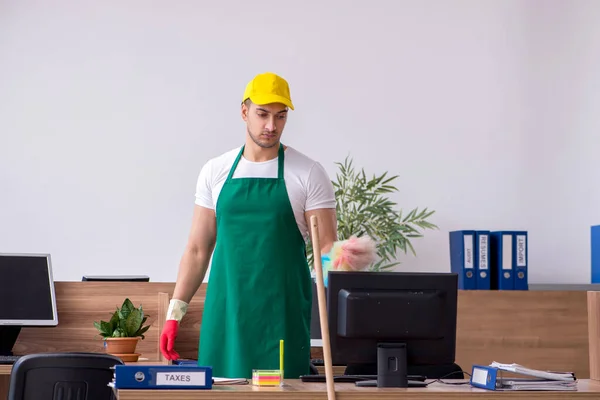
<point>364,208</point>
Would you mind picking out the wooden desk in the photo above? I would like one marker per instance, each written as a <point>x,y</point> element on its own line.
<point>296,390</point>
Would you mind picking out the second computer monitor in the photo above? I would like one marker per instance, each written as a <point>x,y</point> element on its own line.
<point>115,278</point>
<point>27,296</point>
<point>369,308</point>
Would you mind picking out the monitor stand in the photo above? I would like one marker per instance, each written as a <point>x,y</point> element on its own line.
<point>391,369</point>
<point>8,338</point>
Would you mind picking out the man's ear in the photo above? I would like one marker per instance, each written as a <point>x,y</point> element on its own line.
<point>245,110</point>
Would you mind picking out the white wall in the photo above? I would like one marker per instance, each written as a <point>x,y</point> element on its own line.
<point>109,109</point>
<point>563,137</point>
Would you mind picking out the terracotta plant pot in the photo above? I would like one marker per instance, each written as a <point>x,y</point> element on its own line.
<point>121,345</point>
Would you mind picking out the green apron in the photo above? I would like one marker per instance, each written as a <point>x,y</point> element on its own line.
<point>260,289</point>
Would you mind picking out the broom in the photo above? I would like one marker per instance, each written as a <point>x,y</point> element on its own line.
<point>322,308</point>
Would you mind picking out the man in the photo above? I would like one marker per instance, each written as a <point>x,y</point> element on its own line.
<point>253,207</point>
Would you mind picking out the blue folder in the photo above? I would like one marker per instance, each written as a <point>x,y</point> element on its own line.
<point>134,376</point>
<point>502,269</point>
<point>595,250</point>
<point>484,377</point>
<point>462,254</point>
<point>520,260</point>
<point>482,259</point>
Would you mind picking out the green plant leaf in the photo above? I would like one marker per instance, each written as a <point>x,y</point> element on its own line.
<point>126,308</point>
<point>103,329</point>
<point>141,331</point>
<point>105,326</point>
<point>114,321</point>
<point>133,322</point>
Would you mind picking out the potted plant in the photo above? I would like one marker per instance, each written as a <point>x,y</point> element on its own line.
<point>364,208</point>
<point>123,331</point>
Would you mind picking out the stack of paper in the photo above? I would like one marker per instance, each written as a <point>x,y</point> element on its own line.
<point>546,380</point>
<point>536,384</point>
<point>230,381</point>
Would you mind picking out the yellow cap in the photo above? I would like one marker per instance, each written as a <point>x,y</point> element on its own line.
<point>268,88</point>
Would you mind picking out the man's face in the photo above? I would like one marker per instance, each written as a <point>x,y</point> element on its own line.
<point>265,123</point>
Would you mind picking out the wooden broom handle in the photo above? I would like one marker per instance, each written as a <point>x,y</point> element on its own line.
<point>316,244</point>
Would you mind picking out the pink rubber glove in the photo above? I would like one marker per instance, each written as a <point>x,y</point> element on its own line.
<point>167,339</point>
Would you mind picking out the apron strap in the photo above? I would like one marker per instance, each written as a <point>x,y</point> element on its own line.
<point>235,163</point>
<point>280,163</point>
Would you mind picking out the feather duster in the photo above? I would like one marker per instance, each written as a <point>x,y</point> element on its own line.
<point>353,254</point>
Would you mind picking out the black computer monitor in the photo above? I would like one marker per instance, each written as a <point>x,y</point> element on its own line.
<point>27,296</point>
<point>115,278</point>
<point>377,319</point>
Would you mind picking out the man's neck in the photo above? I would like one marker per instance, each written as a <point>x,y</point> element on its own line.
<point>255,153</point>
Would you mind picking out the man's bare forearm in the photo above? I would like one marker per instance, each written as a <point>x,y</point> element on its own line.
<point>192,270</point>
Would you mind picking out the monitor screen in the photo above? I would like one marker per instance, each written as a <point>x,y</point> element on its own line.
<point>27,290</point>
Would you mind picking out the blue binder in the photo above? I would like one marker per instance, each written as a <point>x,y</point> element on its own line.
<point>462,254</point>
<point>501,260</point>
<point>484,377</point>
<point>132,376</point>
<point>482,259</point>
<point>595,247</point>
<point>520,260</point>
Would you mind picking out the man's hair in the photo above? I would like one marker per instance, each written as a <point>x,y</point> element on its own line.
<point>249,102</point>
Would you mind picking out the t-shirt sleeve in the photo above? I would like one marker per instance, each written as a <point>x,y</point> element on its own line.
<point>319,189</point>
<point>204,187</point>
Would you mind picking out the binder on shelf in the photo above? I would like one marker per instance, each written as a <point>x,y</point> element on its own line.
<point>162,376</point>
<point>501,260</point>
<point>595,247</point>
<point>462,254</point>
<point>520,260</point>
<point>482,259</point>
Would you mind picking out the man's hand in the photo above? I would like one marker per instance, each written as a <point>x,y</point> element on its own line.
<point>167,339</point>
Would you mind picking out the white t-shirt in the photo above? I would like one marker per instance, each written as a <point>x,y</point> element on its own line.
<point>308,185</point>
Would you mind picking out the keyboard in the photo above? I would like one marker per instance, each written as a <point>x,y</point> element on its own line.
<point>7,360</point>
<point>353,378</point>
